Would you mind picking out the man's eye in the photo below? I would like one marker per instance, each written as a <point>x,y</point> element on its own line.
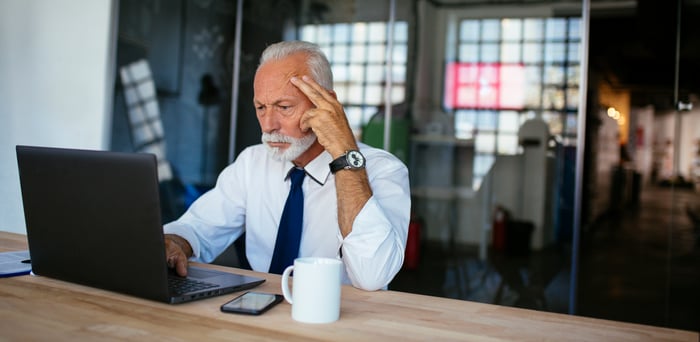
<point>285,110</point>
<point>260,111</point>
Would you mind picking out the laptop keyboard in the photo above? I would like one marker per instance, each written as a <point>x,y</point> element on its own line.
<point>184,285</point>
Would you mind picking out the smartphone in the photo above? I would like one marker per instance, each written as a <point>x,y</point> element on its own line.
<point>252,303</point>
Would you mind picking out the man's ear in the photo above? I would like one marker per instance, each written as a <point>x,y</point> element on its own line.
<point>335,96</point>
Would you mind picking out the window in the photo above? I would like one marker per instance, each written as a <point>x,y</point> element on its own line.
<point>485,85</point>
<point>358,54</point>
<point>507,71</point>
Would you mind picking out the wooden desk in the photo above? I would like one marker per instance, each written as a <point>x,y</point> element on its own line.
<point>39,308</point>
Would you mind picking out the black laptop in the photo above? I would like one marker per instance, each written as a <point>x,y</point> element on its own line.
<point>93,218</point>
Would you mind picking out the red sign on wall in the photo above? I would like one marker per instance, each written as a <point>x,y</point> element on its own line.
<point>484,86</point>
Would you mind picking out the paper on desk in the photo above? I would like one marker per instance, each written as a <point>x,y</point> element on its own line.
<point>14,263</point>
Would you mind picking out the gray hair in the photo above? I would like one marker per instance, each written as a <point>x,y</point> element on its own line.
<point>317,62</point>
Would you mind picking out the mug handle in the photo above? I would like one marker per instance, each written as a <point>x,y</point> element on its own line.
<point>285,283</point>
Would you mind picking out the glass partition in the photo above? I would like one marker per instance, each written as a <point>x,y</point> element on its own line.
<point>182,51</point>
<point>484,112</point>
<point>639,246</point>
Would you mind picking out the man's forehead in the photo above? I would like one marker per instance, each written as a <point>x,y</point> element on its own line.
<point>273,83</point>
<point>276,80</point>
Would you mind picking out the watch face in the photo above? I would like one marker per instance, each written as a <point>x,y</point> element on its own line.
<point>356,159</point>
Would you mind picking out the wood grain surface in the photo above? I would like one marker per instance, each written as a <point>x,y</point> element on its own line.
<point>36,308</point>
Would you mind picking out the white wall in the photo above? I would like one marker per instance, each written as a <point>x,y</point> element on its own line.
<point>664,129</point>
<point>55,85</point>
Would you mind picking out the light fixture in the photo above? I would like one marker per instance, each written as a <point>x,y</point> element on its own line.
<point>616,115</point>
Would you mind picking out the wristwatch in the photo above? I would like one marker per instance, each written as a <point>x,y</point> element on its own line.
<point>351,160</point>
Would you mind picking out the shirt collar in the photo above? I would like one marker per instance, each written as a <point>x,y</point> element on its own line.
<point>318,168</point>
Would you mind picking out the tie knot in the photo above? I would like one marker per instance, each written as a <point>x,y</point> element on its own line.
<point>297,176</point>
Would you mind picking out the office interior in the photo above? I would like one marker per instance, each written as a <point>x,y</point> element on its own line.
<point>553,147</point>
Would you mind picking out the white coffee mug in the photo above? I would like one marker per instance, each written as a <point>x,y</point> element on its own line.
<point>315,297</point>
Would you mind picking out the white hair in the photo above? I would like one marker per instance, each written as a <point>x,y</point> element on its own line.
<point>317,62</point>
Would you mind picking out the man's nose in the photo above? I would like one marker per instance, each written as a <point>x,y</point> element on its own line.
<point>269,122</point>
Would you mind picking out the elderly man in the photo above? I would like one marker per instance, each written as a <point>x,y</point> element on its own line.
<point>310,189</point>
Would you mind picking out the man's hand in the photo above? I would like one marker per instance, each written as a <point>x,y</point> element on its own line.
<point>329,123</point>
<point>327,120</point>
<point>177,251</point>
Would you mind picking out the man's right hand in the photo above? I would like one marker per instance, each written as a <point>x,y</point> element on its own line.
<point>177,252</point>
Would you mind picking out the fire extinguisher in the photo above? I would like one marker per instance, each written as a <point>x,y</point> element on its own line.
<point>500,217</point>
<point>412,254</point>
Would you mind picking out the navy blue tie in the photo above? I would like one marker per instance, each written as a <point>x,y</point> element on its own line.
<point>289,233</point>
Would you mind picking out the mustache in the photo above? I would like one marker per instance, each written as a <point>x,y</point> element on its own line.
<point>276,137</point>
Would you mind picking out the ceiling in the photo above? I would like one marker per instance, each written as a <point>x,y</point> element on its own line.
<point>635,49</point>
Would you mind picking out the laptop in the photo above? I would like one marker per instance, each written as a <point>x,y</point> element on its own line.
<point>93,218</point>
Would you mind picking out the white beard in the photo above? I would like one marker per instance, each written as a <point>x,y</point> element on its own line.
<point>296,148</point>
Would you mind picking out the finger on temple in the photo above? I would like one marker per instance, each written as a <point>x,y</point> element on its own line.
<point>311,89</point>
<point>320,90</point>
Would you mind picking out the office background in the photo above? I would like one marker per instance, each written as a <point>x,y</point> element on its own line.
<point>58,88</point>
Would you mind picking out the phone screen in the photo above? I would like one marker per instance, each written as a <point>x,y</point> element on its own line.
<point>252,303</point>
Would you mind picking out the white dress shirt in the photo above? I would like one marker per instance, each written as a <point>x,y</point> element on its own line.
<point>250,195</point>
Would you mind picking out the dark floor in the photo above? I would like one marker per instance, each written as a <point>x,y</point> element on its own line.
<point>641,266</point>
